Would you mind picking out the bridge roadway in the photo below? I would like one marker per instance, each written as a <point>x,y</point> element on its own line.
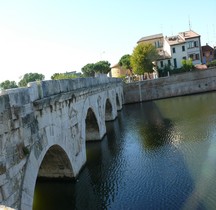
<point>44,129</point>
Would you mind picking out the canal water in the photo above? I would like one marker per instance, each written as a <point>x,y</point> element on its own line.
<point>156,155</point>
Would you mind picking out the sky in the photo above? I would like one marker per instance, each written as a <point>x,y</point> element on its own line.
<point>57,36</point>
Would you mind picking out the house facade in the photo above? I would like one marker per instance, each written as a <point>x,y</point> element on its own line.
<point>207,54</point>
<point>156,40</point>
<point>174,49</point>
<point>171,51</point>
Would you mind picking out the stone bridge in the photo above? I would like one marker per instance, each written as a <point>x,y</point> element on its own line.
<point>44,129</point>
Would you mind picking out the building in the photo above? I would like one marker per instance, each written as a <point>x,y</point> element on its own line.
<point>207,54</point>
<point>118,71</point>
<point>156,40</point>
<point>172,50</point>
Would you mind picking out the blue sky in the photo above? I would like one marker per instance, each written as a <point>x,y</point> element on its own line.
<point>54,36</point>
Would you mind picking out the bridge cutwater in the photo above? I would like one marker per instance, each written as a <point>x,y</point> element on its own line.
<point>44,128</point>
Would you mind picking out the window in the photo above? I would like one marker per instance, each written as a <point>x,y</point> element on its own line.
<point>184,58</point>
<point>157,44</point>
<point>210,52</point>
<point>161,64</point>
<point>192,44</point>
<point>175,62</point>
<point>191,56</point>
<point>173,49</point>
<point>194,56</point>
<point>183,48</point>
<point>196,44</point>
<point>169,63</point>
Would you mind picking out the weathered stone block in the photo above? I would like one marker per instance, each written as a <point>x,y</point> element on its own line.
<point>49,88</point>
<point>1,197</point>
<point>3,179</point>
<point>34,91</point>
<point>18,96</point>
<point>13,124</point>
<point>7,190</point>
<point>12,200</point>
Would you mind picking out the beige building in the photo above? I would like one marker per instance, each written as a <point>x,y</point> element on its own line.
<point>118,71</point>
<point>156,40</point>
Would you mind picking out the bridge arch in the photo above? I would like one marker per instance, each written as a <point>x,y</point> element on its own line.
<point>92,109</point>
<point>108,110</point>
<point>110,105</point>
<point>38,164</point>
<point>55,164</point>
<point>92,128</point>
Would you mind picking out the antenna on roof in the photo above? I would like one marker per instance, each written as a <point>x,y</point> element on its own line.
<point>189,23</point>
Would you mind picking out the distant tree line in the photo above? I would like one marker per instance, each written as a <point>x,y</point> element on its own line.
<point>89,70</point>
<point>28,77</point>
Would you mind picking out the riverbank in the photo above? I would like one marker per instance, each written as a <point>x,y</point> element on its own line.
<point>166,87</point>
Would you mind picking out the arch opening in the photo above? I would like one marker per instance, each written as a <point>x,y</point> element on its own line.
<point>108,111</point>
<point>92,128</point>
<point>55,164</point>
<point>55,167</point>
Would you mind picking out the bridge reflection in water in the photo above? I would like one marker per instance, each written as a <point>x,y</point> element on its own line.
<point>156,155</point>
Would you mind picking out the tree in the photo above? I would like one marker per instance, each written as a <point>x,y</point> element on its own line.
<point>88,70</point>
<point>58,76</point>
<point>187,65</point>
<point>142,57</point>
<point>7,84</point>
<point>125,62</point>
<point>30,77</point>
<point>102,67</point>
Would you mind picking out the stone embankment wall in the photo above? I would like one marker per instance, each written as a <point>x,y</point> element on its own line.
<point>35,118</point>
<point>177,85</point>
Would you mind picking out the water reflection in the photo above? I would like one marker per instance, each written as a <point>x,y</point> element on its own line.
<point>156,155</point>
<point>156,130</point>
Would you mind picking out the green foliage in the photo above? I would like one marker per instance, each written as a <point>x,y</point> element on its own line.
<point>163,72</point>
<point>213,63</point>
<point>90,69</point>
<point>125,61</point>
<point>7,84</point>
<point>102,67</point>
<point>58,76</point>
<point>187,65</point>
<point>123,78</point>
<point>30,77</point>
<point>142,57</point>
